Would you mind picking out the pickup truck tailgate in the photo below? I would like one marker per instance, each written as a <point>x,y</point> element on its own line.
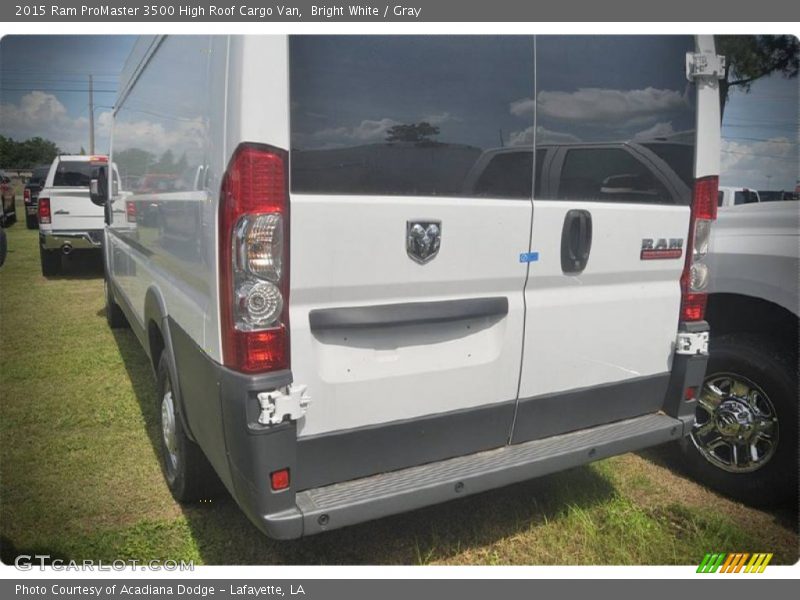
<point>72,210</point>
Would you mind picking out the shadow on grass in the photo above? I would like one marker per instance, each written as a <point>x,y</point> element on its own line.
<point>81,264</point>
<point>671,457</point>
<point>223,535</point>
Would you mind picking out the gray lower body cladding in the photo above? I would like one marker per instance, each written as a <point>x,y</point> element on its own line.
<point>361,474</point>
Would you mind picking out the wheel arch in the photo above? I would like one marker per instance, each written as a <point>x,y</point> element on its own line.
<point>739,313</point>
<point>159,340</point>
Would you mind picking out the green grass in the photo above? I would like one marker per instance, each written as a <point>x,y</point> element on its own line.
<point>80,479</point>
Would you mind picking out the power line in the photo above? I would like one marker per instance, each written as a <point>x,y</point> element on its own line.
<point>43,89</point>
<point>733,137</point>
<point>753,154</point>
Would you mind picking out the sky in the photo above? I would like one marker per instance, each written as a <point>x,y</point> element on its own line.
<point>44,83</point>
<point>44,87</point>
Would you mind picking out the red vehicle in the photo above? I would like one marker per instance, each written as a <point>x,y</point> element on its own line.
<point>8,214</point>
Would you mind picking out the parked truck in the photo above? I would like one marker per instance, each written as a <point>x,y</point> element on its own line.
<point>343,326</point>
<point>744,441</point>
<point>68,220</point>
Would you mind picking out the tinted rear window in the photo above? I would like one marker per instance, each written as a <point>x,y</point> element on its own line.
<point>627,91</point>
<point>608,175</point>
<point>73,174</point>
<point>411,115</point>
<point>39,175</point>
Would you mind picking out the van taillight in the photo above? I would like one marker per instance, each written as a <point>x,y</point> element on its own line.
<point>26,196</point>
<point>254,260</point>
<point>694,280</point>
<point>44,211</point>
<point>130,211</point>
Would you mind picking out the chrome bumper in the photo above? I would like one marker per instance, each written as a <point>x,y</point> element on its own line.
<point>75,240</point>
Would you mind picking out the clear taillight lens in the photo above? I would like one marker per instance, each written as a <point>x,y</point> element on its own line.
<point>695,278</point>
<point>702,236</point>
<point>258,246</point>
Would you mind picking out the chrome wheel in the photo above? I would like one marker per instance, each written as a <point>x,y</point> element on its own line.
<point>168,432</point>
<point>736,426</point>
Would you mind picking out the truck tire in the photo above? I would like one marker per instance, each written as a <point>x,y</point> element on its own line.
<point>189,475</point>
<point>51,261</point>
<point>744,441</point>
<point>3,247</point>
<point>114,316</point>
<point>31,222</point>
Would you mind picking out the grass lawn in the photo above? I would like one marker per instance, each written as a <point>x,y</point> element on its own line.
<point>80,479</point>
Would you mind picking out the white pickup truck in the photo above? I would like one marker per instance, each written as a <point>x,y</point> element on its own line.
<point>746,426</point>
<point>68,220</point>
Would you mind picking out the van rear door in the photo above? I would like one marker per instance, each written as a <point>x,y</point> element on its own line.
<point>616,134</point>
<point>407,305</point>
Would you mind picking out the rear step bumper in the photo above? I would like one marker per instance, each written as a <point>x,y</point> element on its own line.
<point>360,500</point>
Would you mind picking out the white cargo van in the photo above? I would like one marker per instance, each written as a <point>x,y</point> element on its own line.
<point>382,272</point>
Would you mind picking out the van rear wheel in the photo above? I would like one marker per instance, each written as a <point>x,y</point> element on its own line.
<point>189,475</point>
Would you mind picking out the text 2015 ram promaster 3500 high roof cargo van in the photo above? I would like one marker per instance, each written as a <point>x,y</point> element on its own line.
<point>389,271</point>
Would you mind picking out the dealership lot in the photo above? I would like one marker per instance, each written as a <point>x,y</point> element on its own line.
<point>81,479</point>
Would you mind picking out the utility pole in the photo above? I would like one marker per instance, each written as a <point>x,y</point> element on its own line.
<point>91,116</point>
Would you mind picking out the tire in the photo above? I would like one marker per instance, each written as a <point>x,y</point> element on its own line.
<point>31,222</point>
<point>114,316</point>
<point>3,247</point>
<point>189,475</point>
<point>747,366</point>
<point>51,262</point>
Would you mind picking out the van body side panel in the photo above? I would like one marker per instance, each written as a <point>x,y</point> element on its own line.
<point>161,234</point>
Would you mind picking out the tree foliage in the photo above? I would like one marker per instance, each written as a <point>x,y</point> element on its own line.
<point>417,133</point>
<point>751,57</point>
<point>26,154</point>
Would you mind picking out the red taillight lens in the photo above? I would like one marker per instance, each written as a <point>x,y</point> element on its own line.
<point>254,260</point>
<point>694,279</point>
<point>704,200</point>
<point>26,196</point>
<point>44,211</point>
<point>279,480</point>
<point>130,211</point>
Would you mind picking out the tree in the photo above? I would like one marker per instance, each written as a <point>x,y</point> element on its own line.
<point>417,133</point>
<point>26,154</point>
<point>751,57</point>
<point>135,162</point>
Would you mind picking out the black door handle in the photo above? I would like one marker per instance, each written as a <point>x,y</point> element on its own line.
<point>576,240</point>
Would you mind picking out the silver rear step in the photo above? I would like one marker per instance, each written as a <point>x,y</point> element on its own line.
<point>343,504</point>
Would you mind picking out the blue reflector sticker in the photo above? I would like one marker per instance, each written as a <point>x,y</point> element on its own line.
<point>528,257</point>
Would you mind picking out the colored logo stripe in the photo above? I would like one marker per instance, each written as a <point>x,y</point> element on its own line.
<point>734,562</point>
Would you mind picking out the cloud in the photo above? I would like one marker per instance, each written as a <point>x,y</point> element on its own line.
<point>659,130</point>
<point>41,114</point>
<point>601,105</point>
<point>367,132</point>
<point>157,136</point>
<point>439,119</point>
<point>543,136</point>
<point>768,164</point>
